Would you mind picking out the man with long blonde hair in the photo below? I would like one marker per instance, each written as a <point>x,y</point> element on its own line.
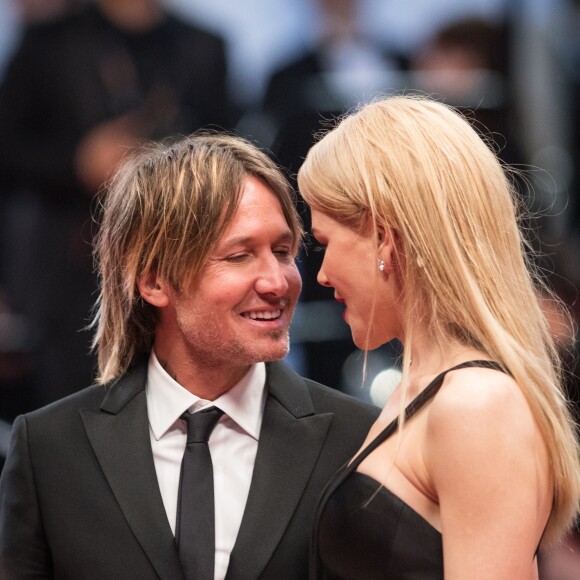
<point>197,454</point>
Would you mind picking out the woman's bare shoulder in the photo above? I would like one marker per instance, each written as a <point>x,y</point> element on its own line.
<point>477,392</point>
<point>479,415</point>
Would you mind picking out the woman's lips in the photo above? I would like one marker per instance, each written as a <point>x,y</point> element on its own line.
<point>341,301</point>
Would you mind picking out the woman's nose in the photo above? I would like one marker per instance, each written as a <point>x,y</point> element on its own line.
<point>321,277</point>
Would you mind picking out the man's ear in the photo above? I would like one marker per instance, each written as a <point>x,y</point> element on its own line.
<point>154,289</point>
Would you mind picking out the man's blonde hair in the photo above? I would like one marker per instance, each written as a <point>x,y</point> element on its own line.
<point>164,212</point>
<point>417,167</point>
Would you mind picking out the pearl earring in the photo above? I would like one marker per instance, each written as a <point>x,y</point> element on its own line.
<point>382,265</point>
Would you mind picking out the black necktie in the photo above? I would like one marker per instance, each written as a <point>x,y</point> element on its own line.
<point>195,525</point>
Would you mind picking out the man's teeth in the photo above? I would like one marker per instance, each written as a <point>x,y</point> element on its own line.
<point>264,315</point>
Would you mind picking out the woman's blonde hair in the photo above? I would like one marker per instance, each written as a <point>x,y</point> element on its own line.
<point>164,212</point>
<point>417,167</point>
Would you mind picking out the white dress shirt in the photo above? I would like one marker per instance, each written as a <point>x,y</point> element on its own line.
<point>233,445</point>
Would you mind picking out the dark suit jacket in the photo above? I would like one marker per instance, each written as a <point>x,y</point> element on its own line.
<point>79,498</point>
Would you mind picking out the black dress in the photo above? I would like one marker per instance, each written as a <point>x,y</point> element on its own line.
<point>365,532</point>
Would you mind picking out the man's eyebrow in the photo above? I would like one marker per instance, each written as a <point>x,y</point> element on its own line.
<point>286,236</point>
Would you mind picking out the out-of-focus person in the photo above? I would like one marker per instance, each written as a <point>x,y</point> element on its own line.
<point>81,91</point>
<point>466,64</point>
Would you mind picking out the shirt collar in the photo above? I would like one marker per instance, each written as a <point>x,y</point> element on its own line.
<point>167,400</point>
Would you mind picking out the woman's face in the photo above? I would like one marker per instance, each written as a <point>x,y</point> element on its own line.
<point>351,267</point>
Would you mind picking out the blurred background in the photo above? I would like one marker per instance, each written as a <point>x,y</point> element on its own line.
<point>82,82</point>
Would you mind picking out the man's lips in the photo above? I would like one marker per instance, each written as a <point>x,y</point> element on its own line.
<point>267,312</point>
<point>263,314</point>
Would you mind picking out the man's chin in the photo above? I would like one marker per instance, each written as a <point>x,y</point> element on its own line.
<point>275,352</point>
<point>276,355</point>
<point>275,345</point>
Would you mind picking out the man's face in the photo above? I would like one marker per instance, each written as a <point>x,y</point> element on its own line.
<point>238,310</point>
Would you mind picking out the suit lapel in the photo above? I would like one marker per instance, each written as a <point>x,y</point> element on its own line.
<point>291,439</point>
<point>119,435</point>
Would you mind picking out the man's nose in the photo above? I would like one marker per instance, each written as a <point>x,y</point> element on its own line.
<point>272,277</point>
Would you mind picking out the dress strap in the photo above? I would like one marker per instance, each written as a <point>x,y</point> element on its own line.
<point>419,401</point>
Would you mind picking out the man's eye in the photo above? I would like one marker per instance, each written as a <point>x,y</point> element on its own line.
<point>236,258</point>
<point>284,253</point>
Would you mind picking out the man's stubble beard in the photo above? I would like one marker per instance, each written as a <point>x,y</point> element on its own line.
<point>205,344</point>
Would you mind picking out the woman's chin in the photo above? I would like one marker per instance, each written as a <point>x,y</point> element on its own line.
<point>365,342</point>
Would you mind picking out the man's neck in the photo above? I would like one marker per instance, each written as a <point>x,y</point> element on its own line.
<point>206,382</point>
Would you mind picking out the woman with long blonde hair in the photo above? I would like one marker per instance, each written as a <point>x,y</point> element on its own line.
<point>473,463</point>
